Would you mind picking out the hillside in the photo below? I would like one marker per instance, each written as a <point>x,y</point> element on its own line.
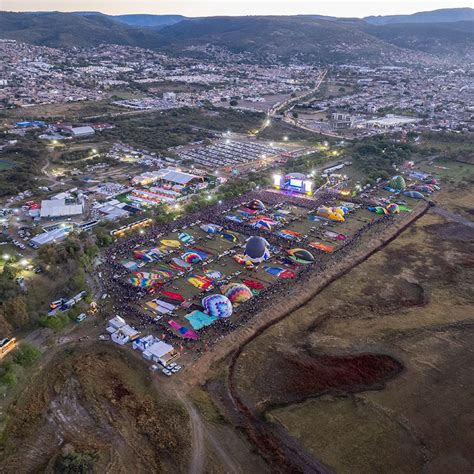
<point>149,20</point>
<point>309,38</point>
<point>456,38</point>
<point>63,30</point>
<point>286,37</point>
<point>445,15</point>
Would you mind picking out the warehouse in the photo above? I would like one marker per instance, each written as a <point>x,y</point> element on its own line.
<point>61,208</point>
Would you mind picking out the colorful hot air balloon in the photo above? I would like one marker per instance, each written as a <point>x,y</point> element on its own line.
<point>191,257</point>
<point>230,236</point>
<point>237,292</point>
<point>397,183</point>
<point>211,228</point>
<point>301,256</point>
<point>256,205</point>
<point>413,194</point>
<point>256,249</point>
<point>217,305</point>
<point>332,213</point>
<point>263,225</point>
<point>393,208</point>
<point>378,210</point>
<point>213,274</point>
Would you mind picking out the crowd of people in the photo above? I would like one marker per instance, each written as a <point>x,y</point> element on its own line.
<point>127,298</point>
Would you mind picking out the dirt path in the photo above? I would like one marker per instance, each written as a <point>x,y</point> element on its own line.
<point>196,465</point>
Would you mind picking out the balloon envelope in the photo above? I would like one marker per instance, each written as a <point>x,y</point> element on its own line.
<point>256,249</point>
<point>256,205</point>
<point>217,305</point>
<point>301,256</point>
<point>237,292</point>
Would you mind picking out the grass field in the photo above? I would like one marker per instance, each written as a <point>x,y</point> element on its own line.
<point>409,302</point>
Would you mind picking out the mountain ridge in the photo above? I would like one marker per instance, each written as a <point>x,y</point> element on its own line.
<point>304,37</point>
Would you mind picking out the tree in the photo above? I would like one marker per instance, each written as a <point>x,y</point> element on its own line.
<point>26,354</point>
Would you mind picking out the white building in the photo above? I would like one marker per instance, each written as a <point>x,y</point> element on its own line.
<point>160,352</point>
<point>81,132</point>
<point>61,208</point>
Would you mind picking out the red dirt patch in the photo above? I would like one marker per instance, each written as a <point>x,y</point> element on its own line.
<point>295,377</point>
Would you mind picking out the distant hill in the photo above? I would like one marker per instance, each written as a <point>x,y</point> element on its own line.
<point>446,15</point>
<point>65,30</point>
<point>305,37</point>
<point>297,36</point>
<point>434,38</point>
<point>149,20</point>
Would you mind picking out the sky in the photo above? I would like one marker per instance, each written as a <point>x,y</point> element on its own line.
<point>341,8</point>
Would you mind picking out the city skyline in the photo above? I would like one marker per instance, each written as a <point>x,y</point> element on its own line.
<point>245,7</point>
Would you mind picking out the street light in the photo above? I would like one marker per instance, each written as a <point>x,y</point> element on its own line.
<point>6,256</point>
<point>285,138</point>
<point>24,262</point>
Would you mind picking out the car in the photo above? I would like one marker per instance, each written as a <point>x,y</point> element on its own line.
<point>167,372</point>
<point>154,368</point>
<point>176,368</point>
<point>170,366</point>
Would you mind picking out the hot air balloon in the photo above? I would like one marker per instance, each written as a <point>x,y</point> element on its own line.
<point>218,306</point>
<point>237,292</point>
<point>256,249</point>
<point>330,213</point>
<point>256,205</point>
<point>378,210</point>
<point>211,228</point>
<point>301,256</point>
<point>413,194</point>
<point>191,257</point>
<point>263,225</point>
<point>393,208</point>
<point>397,183</point>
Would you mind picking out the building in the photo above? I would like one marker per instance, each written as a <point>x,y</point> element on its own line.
<point>82,132</point>
<point>50,237</point>
<point>160,352</point>
<point>61,208</point>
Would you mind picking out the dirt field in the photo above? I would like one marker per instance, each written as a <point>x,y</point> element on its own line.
<point>409,306</point>
<point>98,404</point>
